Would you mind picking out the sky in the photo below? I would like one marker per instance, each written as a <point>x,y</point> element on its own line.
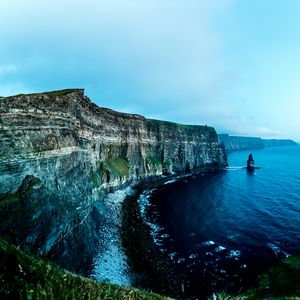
<point>231,64</point>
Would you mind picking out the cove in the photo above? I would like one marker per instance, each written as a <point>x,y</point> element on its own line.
<point>223,229</point>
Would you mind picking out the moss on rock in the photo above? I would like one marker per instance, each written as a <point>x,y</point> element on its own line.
<point>117,167</point>
<point>153,164</point>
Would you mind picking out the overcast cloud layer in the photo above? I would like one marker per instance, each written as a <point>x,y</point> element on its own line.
<point>227,63</point>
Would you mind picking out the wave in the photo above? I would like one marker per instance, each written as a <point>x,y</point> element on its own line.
<point>208,243</point>
<point>220,249</point>
<point>157,231</point>
<point>232,168</point>
<point>234,254</point>
<point>276,249</point>
<point>170,181</point>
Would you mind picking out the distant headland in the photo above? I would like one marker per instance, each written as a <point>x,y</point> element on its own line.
<point>235,143</point>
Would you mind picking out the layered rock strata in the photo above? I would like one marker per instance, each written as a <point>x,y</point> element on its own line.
<point>60,154</point>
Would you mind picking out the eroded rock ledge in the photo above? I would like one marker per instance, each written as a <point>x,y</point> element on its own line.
<point>60,154</point>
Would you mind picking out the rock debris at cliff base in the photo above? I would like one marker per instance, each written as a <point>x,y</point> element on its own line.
<point>110,264</point>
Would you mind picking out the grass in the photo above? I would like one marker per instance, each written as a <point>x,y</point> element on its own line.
<point>23,276</point>
<point>52,93</point>
<point>60,92</point>
<point>224,296</point>
<point>174,125</point>
<point>280,281</point>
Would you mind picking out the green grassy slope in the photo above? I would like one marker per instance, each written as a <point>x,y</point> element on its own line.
<point>23,276</point>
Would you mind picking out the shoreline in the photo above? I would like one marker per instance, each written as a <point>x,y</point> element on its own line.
<point>154,271</point>
<point>141,249</point>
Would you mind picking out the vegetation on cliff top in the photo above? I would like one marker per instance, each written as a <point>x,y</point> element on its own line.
<point>23,276</point>
<point>51,93</point>
<point>179,125</point>
<point>60,92</point>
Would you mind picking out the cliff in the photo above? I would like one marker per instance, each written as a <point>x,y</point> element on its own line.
<point>60,154</point>
<point>277,143</point>
<point>235,143</point>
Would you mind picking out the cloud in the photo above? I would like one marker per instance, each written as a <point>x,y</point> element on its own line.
<point>265,131</point>
<point>157,53</point>
<point>169,59</point>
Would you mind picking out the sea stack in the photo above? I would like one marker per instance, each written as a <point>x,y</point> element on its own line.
<point>250,162</point>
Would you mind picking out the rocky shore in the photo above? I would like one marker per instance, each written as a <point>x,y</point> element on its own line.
<point>154,271</point>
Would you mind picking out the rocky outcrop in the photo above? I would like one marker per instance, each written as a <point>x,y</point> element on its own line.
<point>60,154</point>
<point>235,143</point>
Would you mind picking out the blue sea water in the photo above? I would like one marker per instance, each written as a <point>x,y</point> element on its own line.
<point>223,229</point>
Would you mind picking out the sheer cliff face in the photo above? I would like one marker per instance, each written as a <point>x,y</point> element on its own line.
<point>60,153</point>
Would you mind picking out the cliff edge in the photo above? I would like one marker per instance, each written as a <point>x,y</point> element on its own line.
<point>60,154</point>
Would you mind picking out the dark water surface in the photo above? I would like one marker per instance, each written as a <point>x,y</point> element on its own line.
<point>223,229</point>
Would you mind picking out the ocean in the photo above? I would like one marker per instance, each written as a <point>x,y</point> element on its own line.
<point>224,229</point>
